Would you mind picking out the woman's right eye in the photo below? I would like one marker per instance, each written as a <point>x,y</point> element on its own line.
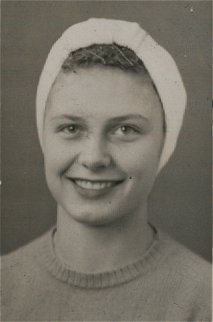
<point>69,130</point>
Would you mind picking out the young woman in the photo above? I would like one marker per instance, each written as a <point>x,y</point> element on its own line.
<point>110,105</point>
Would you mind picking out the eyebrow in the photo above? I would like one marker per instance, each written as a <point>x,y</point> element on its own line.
<point>68,116</point>
<point>129,116</point>
<point>114,119</point>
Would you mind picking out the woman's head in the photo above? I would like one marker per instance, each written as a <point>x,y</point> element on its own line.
<point>103,135</point>
<point>158,62</point>
<point>103,130</point>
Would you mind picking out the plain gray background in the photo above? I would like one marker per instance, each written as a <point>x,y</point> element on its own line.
<point>180,203</point>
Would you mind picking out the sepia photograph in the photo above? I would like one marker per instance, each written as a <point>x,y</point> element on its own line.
<point>106,161</point>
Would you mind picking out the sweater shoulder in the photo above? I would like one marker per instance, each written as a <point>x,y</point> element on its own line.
<point>192,279</point>
<point>21,265</point>
<point>22,256</point>
<point>185,261</point>
<point>21,279</point>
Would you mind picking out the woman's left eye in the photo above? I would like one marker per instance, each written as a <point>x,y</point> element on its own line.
<point>125,130</point>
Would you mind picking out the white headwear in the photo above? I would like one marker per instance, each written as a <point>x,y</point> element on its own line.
<point>158,62</point>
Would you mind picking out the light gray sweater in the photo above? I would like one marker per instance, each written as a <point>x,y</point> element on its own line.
<point>169,283</point>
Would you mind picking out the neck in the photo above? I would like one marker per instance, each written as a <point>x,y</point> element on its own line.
<point>93,249</point>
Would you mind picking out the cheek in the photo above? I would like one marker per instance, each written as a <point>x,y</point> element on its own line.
<point>140,158</point>
<point>57,156</point>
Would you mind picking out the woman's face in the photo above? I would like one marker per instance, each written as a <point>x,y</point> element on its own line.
<point>102,139</point>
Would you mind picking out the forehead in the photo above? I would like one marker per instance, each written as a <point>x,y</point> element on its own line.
<point>104,91</point>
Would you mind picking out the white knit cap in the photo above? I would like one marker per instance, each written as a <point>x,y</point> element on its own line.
<point>158,62</point>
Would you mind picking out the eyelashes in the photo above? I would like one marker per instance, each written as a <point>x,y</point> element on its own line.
<point>121,131</point>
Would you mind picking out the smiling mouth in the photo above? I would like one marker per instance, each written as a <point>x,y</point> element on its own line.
<point>95,185</point>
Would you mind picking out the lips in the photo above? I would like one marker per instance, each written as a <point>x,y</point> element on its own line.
<point>94,185</point>
<point>94,188</point>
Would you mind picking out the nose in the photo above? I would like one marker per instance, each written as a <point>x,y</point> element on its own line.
<point>94,155</point>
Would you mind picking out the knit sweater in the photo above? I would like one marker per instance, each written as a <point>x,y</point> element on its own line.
<point>169,283</point>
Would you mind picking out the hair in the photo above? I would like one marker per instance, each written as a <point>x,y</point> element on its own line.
<point>107,55</point>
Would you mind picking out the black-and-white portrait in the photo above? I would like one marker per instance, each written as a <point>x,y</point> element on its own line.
<point>106,140</point>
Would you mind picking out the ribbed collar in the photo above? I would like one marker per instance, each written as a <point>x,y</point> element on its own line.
<point>59,270</point>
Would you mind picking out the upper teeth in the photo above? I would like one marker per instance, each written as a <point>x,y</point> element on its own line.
<point>93,185</point>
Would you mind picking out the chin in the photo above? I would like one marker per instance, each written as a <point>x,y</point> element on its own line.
<point>94,218</point>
